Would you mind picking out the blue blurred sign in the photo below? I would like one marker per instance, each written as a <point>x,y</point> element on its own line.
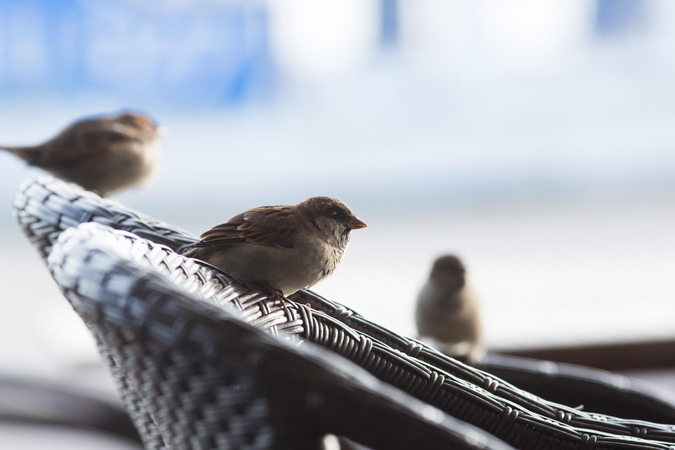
<point>616,18</point>
<point>201,52</point>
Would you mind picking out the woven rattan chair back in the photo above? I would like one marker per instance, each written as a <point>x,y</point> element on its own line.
<point>46,207</point>
<point>210,380</point>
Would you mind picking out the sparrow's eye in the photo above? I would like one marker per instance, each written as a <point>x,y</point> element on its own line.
<point>339,216</point>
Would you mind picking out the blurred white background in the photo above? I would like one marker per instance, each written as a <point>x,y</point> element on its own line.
<point>535,139</point>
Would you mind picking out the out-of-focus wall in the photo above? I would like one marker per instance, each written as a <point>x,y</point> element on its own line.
<point>499,129</point>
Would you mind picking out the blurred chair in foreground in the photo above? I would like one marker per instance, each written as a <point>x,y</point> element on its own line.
<point>45,208</point>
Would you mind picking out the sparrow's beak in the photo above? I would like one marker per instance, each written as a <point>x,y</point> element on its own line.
<point>161,131</point>
<point>356,223</point>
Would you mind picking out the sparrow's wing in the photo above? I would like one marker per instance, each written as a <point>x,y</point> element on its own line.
<point>78,141</point>
<point>267,226</point>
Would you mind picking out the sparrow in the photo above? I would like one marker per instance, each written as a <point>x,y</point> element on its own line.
<point>448,314</point>
<point>104,155</point>
<point>281,248</point>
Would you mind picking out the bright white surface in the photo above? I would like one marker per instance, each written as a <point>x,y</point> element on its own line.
<point>561,275</point>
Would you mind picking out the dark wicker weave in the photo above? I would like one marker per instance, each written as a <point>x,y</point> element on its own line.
<point>597,390</point>
<point>44,208</point>
<point>210,380</point>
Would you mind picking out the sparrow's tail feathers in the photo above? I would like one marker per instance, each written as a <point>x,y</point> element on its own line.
<point>28,154</point>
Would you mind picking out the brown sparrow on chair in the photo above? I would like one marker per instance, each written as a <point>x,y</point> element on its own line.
<point>283,248</point>
<point>104,155</point>
<point>448,312</point>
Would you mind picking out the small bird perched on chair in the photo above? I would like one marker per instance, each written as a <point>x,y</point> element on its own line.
<point>280,248</point>
<point>104,155</point>
<point>448,313</point>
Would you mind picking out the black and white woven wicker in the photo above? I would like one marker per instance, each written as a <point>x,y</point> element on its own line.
<point>207,379</point>
<point>47,207</point>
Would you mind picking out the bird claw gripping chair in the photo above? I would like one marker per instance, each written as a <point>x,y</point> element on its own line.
<point>130,342</point>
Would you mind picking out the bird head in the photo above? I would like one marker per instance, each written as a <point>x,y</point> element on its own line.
<point>449,270</point>
<point>332,217</point>
<point>143,124</point>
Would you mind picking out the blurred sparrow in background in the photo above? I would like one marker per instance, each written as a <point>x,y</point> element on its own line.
<point>104,155</point>
<point>448,313</point>
<point>281,248</point>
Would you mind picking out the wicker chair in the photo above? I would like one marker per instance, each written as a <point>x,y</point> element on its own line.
<point>209,380</point>
<point>47,207</point>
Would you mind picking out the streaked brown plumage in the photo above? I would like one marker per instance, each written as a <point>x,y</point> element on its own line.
<point>104,155</point>
<point>448,312</point>
<point>286,248</point>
